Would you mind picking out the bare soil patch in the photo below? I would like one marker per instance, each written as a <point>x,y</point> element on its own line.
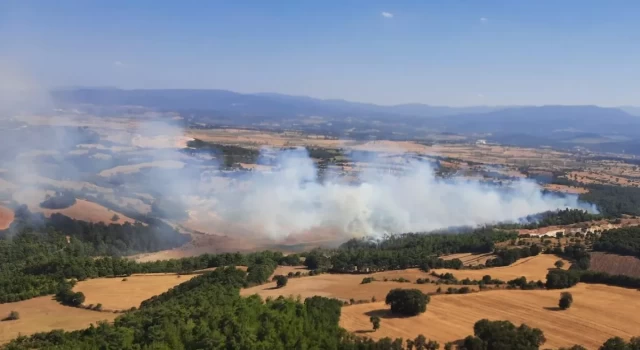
<point>116,294</point>
<point>90,211</point>
<point>44,314</point>
<point>6,217</point>
<point>615,264</point>
<point>598,313</point>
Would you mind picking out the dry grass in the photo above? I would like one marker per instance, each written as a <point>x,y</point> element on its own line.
<point>44,314</point>
<point>344,287</point>
<point>615,264</point>
<point>470,259</point>
<point>89,211</point>
<point>598,313</point>
<point>6,217</point>
<point>533,268</point>
<point>116,294</point>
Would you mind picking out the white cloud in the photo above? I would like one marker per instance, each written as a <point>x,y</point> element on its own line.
<point>118,64</point>
<point>387,14</point>
<point>484,19</point>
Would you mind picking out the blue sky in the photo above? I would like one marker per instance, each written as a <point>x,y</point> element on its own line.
<point>440,52</point>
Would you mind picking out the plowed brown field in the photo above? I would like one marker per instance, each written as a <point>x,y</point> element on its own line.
<point>6,217</point>
<point>615,264</point>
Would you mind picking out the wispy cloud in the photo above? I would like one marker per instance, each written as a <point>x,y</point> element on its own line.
<point>387,14</point>
<point>118,63</point>
<point>484,19</point>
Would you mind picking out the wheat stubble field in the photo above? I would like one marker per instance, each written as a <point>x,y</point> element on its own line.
<point>44,314</point>
<point>598,313</point>
<point>117,294</point>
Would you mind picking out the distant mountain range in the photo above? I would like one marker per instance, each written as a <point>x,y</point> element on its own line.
<point>530,124</point>
<point>260,104</point>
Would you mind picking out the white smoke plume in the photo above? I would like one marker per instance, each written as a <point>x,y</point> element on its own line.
<point>289,200</point>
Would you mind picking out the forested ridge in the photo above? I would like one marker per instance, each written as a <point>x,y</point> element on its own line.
<point>100,238</point>
<point>404,251</point>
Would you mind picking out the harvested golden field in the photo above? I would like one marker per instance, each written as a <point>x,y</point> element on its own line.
<point>255,138</point>
<point>598,313</point>
<point>44,314</point>
<point>116,294</point>
<point>6,217</point>
<point>533,268</point>
<point>565,189</point>
<point>470,259</point>
<point>343,286</point>
<point>134,168</point>
<point>598,177</point>
<point>615,264</point>
<point>90,211</point>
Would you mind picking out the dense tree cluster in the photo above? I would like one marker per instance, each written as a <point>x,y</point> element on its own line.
<point>560,279</point>
<point>505,257</point>
<point>624,241</point>
<point>613,201</point>
<point>503,335</point>
<point>66,296</point>
<point>405,251</point>
<point>617,343</point>
<point>407,302</point>
<point>612,280</point>
<point>579,255</point>
<point>60,200</point>
<point>559,217</point>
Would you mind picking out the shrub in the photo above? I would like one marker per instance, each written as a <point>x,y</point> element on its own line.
<point>559,264</point>
<point>13,315</point>
<point>66,296</point>
<point>367,280</point>
<point>408,302</point>
<point>375,321</point>
<point>281,281</point>
<point>566,299</point>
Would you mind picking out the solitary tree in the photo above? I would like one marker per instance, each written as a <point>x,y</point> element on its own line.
<point>566,299</point>
<point>375,321</point>
<point>559,264</point>
<point>281,281</point>
<point>408,302</point>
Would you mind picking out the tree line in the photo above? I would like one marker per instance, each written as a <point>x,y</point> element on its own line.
<point>403,251</point>
<point>623,241</point>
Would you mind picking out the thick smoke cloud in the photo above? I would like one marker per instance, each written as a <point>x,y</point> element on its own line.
<point>290,200</point>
